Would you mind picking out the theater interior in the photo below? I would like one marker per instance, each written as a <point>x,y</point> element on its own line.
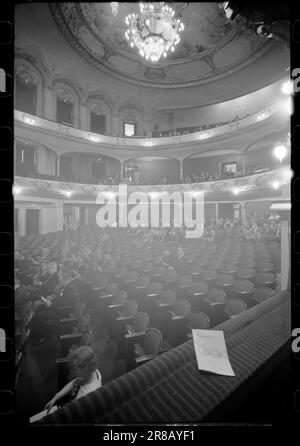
<point>182,104</point>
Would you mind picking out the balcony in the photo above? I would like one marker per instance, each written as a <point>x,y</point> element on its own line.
<point>273,179</point>
<point>141,142</point>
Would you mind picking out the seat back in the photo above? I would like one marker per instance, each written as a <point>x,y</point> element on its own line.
<point>120,297</point>
<point>142,281</point>
<point>199,287</point>
<point>140,322</point>
<point>184,281</point>
<point>243,286</point>
<point>215,295</point>
<point>199,320</point>
<point>83,323</point>
<point>225,280</point>
<point>235,306</point>
<point>263,293</point>
<point>130,308</point>
<point>152,341</point>
<point>111,288</point>
<point>130,276</point>
<point>79,309</point>
<point>168,296</point>
<point>264,279</point>
<point>155,288</point>
<point>182,307</point>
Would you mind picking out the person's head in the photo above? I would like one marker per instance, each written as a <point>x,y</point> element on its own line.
<point>52,267</point>
<point>44,267</point>
<point>65,277</point>
<point>17,282</point>
<point>82,362</point>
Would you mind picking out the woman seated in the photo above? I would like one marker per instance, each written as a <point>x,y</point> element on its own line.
<point>86,377</point>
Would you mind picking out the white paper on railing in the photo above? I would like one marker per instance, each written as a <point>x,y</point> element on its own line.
<point>211,352</point>
<point>42,414</point>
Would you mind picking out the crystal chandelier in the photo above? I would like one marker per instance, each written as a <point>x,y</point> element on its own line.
<point>154,30</point>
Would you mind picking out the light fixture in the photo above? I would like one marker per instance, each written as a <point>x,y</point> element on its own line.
<point>17,190</point>
<point>93,138</point>
<point>28,120</point>
<point>203,135</point>
<point>67,193</point>
<point>288,106</point>
<point>275,185</point>
<point>236,190</point>
<point>148,143</point>
<point>287,87</point>
<point>280,152</point>
<point>288,174</point>
<point>262,116</point>
<point>154,30</point>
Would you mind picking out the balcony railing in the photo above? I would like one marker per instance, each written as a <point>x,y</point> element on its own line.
<point>95,138</point>
<point>273,179</point>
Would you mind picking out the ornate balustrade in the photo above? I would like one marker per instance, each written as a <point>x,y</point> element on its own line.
<point>272,178</point>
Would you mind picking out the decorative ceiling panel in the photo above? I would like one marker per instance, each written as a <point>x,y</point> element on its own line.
<point>210,46</point>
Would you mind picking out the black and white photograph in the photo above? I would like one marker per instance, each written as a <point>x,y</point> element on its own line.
<point>152,202</point>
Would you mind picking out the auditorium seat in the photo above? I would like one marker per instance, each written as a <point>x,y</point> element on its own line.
<point>175,328</point>
<point>234,307</point>
<point>197,291</point>
<point>134,331</point>
<point>265,280</point>
<point>197,321</point>
<point>74,336</point>
<point>150,348</point>
<point>263,293</point>
<point>155,392</point>
<point>123,317</point>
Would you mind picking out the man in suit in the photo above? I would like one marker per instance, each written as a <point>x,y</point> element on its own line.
<point>51,281</point>
<point>65,294</point>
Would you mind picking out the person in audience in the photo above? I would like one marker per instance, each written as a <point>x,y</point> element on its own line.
<point>87,377</point>
<point>21,293</point>
<point>47,309</point>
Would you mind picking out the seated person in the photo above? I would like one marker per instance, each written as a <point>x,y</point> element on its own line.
<point>65,294</point>
<point>21,294</point>
<point>87,377</point>
<point>44,282</point>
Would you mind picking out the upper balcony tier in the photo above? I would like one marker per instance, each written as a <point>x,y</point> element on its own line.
<point>151,143</point>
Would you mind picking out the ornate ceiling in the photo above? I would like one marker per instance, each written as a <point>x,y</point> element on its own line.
<point>210,46</point>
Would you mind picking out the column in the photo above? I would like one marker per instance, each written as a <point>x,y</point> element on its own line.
<point>83,114</point>
<point>285,254</point>
<point>22,221</point>
<point>59,216</point>
<point>243,162</point>
<point>122,171</point>
<point>243,212</point>
<point>217,212</point>
<point>49,106</point>
<point>115,125</point>
<point>181,169</point>
<point>147,128</point>
<point>58,166</point>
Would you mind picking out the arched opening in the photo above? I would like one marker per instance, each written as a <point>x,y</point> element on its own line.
<point>92,168</point>
<point>152,170</point>
<point>28,89</point>
<point>211,166</point>
<point>66,104</point>
<point>99,116</point>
